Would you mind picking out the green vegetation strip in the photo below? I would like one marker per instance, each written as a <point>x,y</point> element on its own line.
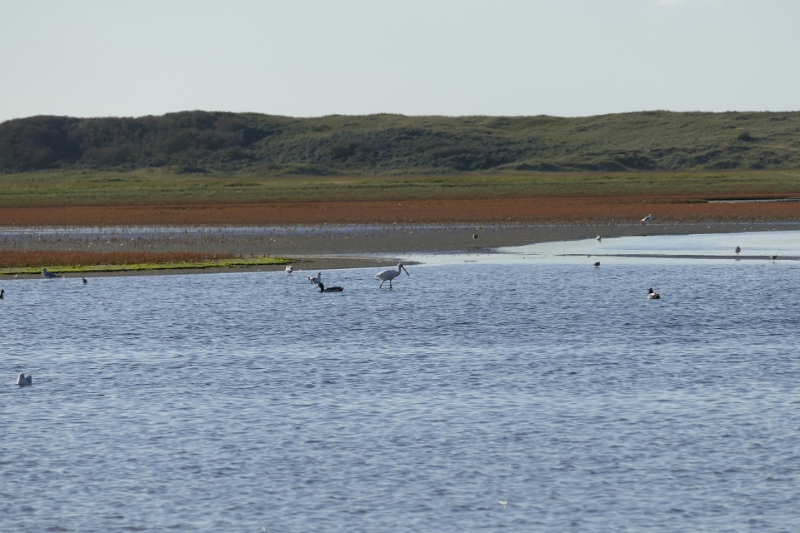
<point>88,269</point>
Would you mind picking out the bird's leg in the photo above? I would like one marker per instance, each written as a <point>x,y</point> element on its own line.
<point>382,282</point>
<point>390,284</point>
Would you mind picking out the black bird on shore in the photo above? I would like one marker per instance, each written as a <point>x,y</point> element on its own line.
<point>329,289</point>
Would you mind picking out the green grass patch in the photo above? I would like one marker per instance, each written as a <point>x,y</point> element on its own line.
<point>90,269</point>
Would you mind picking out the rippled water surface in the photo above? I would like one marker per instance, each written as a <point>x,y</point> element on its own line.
<point>525,396</point>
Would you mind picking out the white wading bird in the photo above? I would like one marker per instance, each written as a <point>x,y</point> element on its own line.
<point>390,275</point>
<point>316,279</point>
<point>49,275</point>
<point>648,218</point>
<point>289,269</point>
<point>23,380</point>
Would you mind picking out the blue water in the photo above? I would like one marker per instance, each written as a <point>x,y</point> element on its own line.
<point>250,402</point>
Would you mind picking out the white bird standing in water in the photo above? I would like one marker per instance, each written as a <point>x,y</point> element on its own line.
<point>648,218</point>
<point>316,279</point>
<point>289,269</point>
<point>49,275</point>
<point>389,275</point>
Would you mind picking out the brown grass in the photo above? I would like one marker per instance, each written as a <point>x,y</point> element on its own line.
<point>551,209</point>
<point>46,258</point>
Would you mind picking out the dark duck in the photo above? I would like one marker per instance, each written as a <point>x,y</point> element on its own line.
<point>322,288</point>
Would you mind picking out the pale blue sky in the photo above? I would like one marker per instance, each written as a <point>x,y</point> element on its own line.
<point>459,57</point>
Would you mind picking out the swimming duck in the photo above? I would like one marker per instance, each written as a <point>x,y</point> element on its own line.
<point>329,289</point>
<point>23,380</point>
<point>652,295</point>
<point>597,264</point>
<point>85,281</point>
<point>2,292</point>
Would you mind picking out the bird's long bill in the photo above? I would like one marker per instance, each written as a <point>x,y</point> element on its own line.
<point>406,271</point>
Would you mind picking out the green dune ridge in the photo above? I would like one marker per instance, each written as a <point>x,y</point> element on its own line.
<point>200,142</point>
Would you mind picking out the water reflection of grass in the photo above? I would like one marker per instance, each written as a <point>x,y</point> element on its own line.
<point>31,261</point>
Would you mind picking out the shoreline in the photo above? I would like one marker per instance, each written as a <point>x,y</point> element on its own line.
<point>330,247</point>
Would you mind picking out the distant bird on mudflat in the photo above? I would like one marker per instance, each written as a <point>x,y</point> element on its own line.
<point>648,218</point>
<point>49,275</point>
<point>773,257</point>
<point>652,295</point>
<point>289,269</point>
<point>23,380</point>
<point>389,275</point>
<point>85,281</point>
<point>598,238</point>
<point>315,279</point>
<point>597,264</point>
<point>475,236</point>
<point>329,289</point>
<point>737,250</point>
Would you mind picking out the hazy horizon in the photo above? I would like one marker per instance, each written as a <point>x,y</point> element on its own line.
<point>313,58</point>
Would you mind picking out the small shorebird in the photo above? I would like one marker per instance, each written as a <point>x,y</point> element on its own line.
<point>597,264</point>
<point>315,279</point>
<point>329,289</point>
<point>737,250</point>
<point>49,275</point>
<point>289,269</point>
<point>648,218</point>
<point>23,380</point>
<point>389,275</point>
<point>652,295</point>
<point>773,257</point>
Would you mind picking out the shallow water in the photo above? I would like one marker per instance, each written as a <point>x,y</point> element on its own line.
<point>250,402</point>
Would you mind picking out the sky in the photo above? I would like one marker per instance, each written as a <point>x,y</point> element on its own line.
<point>90,58</point>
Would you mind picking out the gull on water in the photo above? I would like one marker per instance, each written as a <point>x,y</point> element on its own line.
<point>315,279</point>
<point>389,275</point>
<point>23,380</point>
<point>652,295</point>
<point>49,275</point>
<point>289,269</point>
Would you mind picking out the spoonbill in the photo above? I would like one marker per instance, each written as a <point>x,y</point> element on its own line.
<point>23,380</point>
<point>652,295</point>
<point>390,275</point>
<point>737,250</point>
<point>289,269</point>
<point>329,289</point>
<point>317,279</point>
<point>49,275</point>
<point>648,218</point>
